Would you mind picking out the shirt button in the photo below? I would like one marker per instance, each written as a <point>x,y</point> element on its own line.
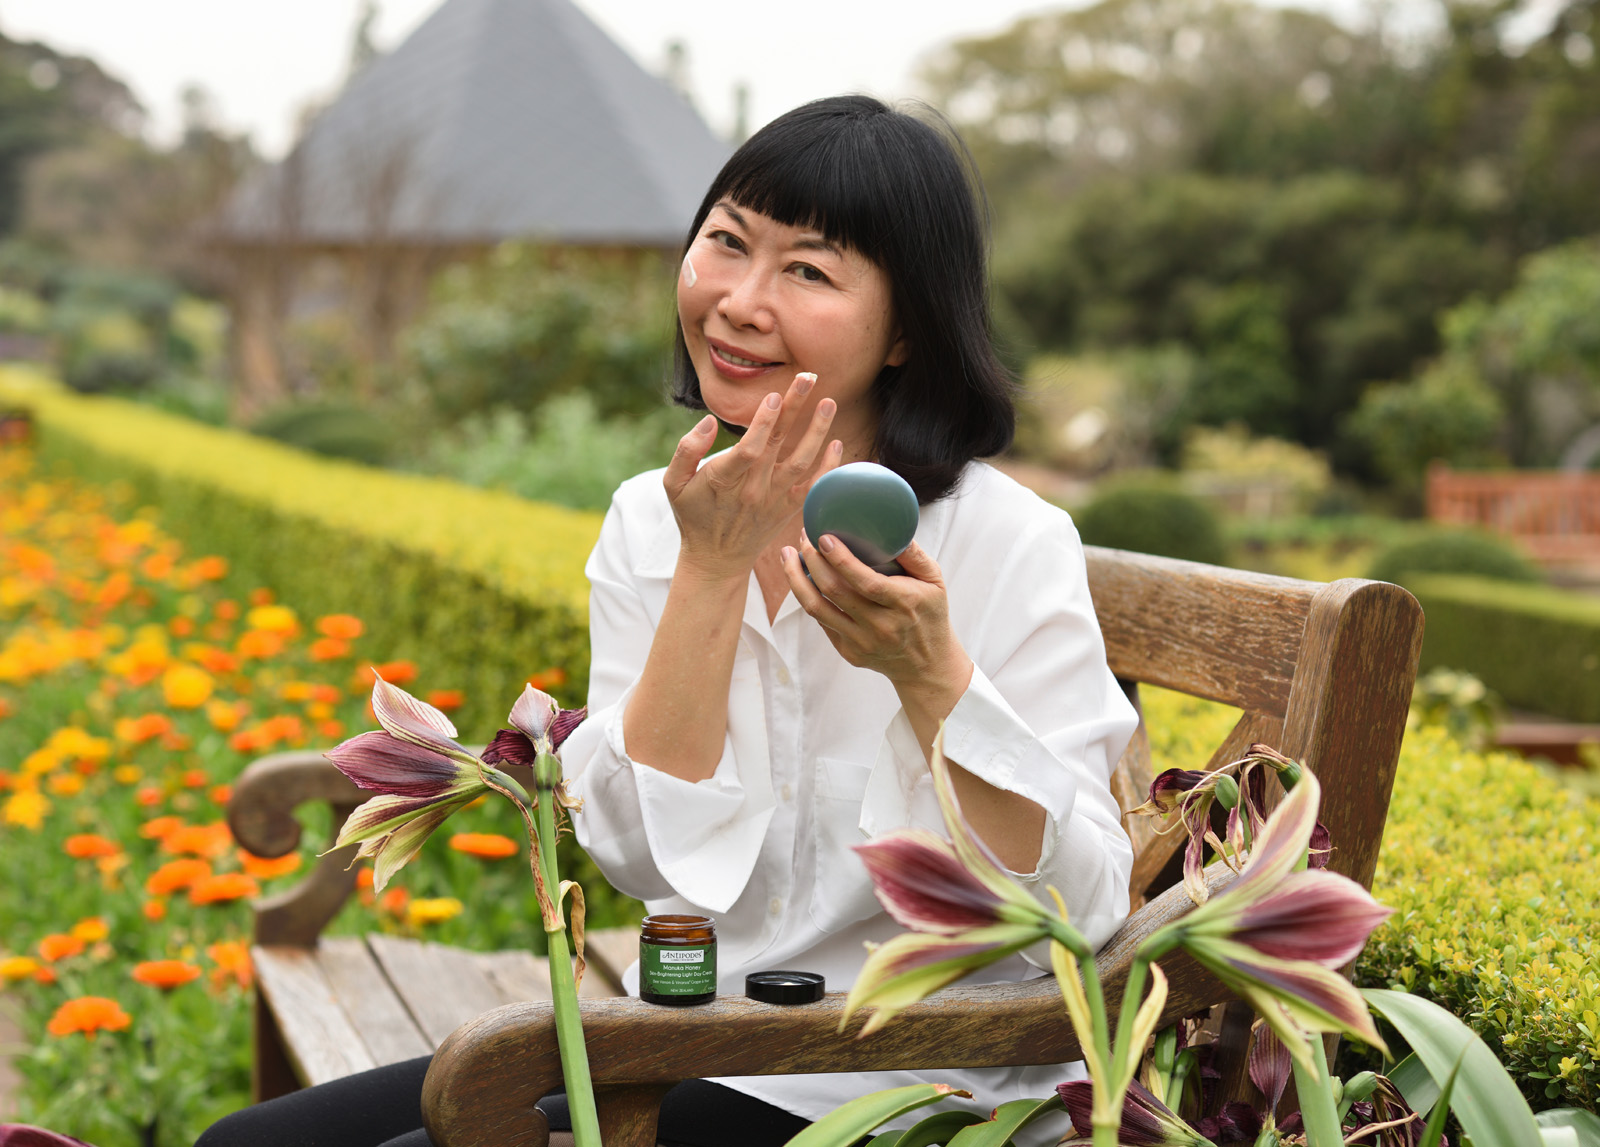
<point>783,676</point>
<point>788,793</point>
<point>776,906</point>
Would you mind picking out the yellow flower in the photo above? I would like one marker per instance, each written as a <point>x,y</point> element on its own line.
<point>435,911</point>
<point>40,761</point>
<point>273,619</point>
<point>91,929</point>
<point>17,968</point>
<point>72,743</point>
<point>26,809</point>
<point>186,686</point>
<point>127,774</point>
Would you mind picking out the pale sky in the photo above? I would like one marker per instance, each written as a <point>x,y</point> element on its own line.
<point>265,60</point>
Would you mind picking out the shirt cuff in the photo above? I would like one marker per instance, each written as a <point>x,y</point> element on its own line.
<point>704,836</point>
<point>986,737</point>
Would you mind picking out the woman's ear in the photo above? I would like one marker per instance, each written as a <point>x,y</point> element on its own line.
<point>899,351</point>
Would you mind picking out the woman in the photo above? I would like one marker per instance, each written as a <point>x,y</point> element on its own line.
<point>748,724</point>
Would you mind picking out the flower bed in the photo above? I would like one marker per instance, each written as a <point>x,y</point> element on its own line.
<point>135,684</point>
<point>1492,869</point>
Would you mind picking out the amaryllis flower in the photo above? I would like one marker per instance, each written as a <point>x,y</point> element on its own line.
<point>1276,934</point>
<point>965,911</point>
<point>538,726</point>
<point>421,774</point>
<point>1146,1121</point>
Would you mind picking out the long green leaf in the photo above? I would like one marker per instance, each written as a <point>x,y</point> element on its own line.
<point>1009,1118</point>
<point>1317,1109</point>
<point>1569,1127</point>
<point>937,1129</point>
<point>1413,1080</point>
<point>1434,1131</point>
<point>887,1139</point>
<point>844,1125</point>
<point>1487,1102</point>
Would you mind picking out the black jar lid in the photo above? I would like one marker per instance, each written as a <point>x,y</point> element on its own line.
<point>783,987</point>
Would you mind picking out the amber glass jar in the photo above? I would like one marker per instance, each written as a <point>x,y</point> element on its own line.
<point>678,960</point>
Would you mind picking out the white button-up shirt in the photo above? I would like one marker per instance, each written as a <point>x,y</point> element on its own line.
<point>819,756</point>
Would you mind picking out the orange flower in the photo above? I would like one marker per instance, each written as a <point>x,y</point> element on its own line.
<point>226,609</point>
<point>45,975</point>
<point>138,730</point>
<point>91,929</point>
<point>232,958</point>
<point>324,694</point>
<point>394,901</point>
<point>341,626</point>
<point>209,568</point>
<point>224,717</point>
<point>5,708</point>
<point>148,797</point>
<point>446,699</point>
<point>155,910</point>
<point>157,567</point>
<point>159,827</point>
<point>176,874</point>
<point>331,728</point>
<point>263,868</point>
<point>59,946</point>
<point>217,660</point>
<point>196,778</point>
<point>88,846</point>
<point>547,679</point>
<point>259,644</point>
<point>484,845</point>
<point>186,686</point>
<point>221,794</point>
<point>364,879</point>
<point>165,974</point>
<point>88,1014</point>
<point>394,672</point>
<point>222,887</point>
<point>261,595</point>
<point>180,626</point>
<point>329,649</point>
<point>245,741</point>
<point>209,840</point>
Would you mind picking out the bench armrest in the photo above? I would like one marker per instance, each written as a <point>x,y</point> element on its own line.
<point>488,1074</point>
<point>261,817</point>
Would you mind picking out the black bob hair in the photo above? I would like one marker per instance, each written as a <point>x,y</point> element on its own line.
<point>897,190</point>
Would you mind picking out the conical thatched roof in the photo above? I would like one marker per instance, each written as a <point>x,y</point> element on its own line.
<point>495,119</point>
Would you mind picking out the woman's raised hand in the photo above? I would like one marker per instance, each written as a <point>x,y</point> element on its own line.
<point>739,503</point>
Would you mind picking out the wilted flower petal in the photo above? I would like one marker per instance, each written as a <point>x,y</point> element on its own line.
<point>1146,1121</point>
<point>386,764</point>
<point>511,747</point>
<point>1167,790</point>
<point>545,723</point>
<point>418,722</point>
<point>1270,1065</point>
<point>913,966</point>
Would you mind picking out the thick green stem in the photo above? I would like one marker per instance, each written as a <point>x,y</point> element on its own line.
<point>564,994</point>
<point>1317,1108</point>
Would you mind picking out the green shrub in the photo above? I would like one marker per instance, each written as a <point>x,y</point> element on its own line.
<point>1453,552</point>
<point>335,430</point>
<point>1536,646</point>
<point>1152,519</point>
<point>1492,870</point>
<point>483,587</point>
<point>1449,412</point>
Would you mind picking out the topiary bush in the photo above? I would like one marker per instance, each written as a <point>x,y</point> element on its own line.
<point>335,430</point>
<point>1153,519</point>
<point>1453,552</point>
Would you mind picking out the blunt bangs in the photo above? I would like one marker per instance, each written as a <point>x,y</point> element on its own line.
<point>904,194</point>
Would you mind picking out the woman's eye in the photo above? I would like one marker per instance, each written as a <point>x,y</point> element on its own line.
<point>809,273</point>
<point>724,239</point>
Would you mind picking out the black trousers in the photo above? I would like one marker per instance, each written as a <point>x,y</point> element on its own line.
<point>383,1108</point>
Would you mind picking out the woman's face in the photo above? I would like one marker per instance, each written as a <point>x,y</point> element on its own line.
<point>761,301</point>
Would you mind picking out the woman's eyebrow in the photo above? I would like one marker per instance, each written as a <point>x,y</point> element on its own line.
<point>819,245</point>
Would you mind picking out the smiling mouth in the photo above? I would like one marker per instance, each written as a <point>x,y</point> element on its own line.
<point>739,360</point>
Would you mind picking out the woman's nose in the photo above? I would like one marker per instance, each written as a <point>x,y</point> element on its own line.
<point>746,303</point>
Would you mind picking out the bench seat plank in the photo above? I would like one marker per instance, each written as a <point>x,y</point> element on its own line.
<point>369,1000</point>
<point>321,1042</point>
<point>441,987</point>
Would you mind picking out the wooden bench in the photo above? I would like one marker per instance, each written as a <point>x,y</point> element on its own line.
<point>1323,672</point>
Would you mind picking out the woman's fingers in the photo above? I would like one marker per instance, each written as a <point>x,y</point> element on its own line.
<point>686,458</point>
<point>802,467</point>
<point>811,599</point>
<point>850,571</point>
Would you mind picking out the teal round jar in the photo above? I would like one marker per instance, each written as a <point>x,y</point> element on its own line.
<point>678,960</point>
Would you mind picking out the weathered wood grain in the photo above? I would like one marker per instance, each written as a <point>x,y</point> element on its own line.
<point>609,951</point>
<point>441,987</point>
<point>369,1000</point>
<point>1225,635</point>
<point>320,1040</point>
<point>466,1103</point>
<point>1130,780</point>
<point>519,977</point>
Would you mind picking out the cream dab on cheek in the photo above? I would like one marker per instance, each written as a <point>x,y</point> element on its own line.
<point>689,277</point>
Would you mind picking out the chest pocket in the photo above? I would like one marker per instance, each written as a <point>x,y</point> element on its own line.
<point>843,891</point>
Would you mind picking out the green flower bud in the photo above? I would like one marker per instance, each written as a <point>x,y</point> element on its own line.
<point>1227,790</point>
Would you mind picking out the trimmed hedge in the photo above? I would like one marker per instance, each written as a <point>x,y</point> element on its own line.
<point>1492,869</point>
<point>1536,646</point>
<point>480,588</point>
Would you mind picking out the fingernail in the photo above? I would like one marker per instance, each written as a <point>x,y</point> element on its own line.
<point>803,383</point>
<point>774,400</point>
<point>826,544</point>
<point>707,424</point>
<point>826,407</point>
<point>788,554</point>
<point>837,448</point>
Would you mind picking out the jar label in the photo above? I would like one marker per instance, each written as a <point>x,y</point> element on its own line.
<point>675,971</point>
